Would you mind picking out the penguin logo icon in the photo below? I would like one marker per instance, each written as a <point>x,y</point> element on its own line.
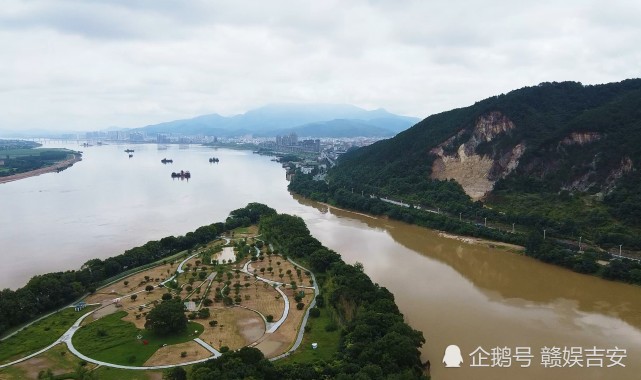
<point>452,357</point>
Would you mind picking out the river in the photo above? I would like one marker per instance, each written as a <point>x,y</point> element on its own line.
<point>456,293</point>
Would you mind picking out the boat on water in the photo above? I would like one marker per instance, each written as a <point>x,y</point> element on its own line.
<point>131,155</point>
<point>182,174</point>
<point>167,161</point>
<point>213,160</point>
<point>129,150</point>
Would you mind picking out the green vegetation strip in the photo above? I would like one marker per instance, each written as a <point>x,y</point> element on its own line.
<point>113,340</point>
<point>322,330</point>
<point>13,153</point>
<point>106,373</point>
<point>39,335</point>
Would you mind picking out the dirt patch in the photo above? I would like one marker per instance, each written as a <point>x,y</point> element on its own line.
<point>488,243</point>
<point>278,342</point>
<point>237,327</point>
<point>106,310</point>
<point>277,270</point>
<point>136,283</point>
<point>271,347</point>
<point>264,299</point>
<point>53,359</point>
<point>33,366</point>
<point>252,328</point>
<point>172,354</point>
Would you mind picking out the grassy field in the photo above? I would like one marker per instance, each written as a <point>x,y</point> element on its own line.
<point>38,335</point>
<point>113,340</point>
<point>58,359</point>
<point>327,341</point>
<point>106,373</point>
<point>12,153</point>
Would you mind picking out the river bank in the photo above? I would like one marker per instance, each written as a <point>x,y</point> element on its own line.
<point>484,242</point>
<point>57,166</point>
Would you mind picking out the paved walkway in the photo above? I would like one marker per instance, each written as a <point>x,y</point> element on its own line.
<point>68,335</point>
<point>301,330</point>
<point>208,347</point>
<point>271,326</point>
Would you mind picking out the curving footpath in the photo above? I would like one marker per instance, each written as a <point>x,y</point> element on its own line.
<point>67,337</point>
<point>271,327</point>
<point>301,330</point>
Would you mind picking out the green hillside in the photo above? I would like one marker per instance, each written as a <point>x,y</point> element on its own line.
<point>577,175</point>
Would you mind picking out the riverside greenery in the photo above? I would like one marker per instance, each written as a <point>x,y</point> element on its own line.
<point>374,342</point>
<point>48,292</point>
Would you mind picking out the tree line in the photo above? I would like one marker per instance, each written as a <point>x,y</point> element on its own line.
<point>375,342</point>
<point>551,251</point>
<point>48,292</point>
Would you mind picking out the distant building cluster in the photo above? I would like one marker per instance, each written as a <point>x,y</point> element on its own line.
<point>142,137</point>
<point>290,143</point>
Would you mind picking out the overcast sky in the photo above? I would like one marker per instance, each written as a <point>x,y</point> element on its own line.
<point>89,64</point>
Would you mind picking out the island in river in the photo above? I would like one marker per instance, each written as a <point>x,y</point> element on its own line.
<point>20,159</point>
<point>342,302</point>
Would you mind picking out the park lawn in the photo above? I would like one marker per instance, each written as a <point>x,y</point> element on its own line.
<point>63,364</point>
<point>107,373</point>
<point>113,340</point>
<point>328,341</point>
<point>39,335</point>
<point>12,373</point>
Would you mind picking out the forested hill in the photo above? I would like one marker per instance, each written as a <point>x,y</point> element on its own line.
<point>558,155</point>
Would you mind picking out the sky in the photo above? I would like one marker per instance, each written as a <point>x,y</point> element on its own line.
<point>92,64</point>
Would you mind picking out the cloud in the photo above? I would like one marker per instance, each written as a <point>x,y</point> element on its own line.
<point>88,64</point>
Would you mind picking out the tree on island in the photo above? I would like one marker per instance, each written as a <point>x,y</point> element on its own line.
<point>167,318</point>
<point>176,373</point>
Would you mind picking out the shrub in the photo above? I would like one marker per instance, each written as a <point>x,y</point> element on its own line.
<point>224,349</point>
<point>300,306</point>
<point>183,354</point>
<point>269,318</point>
<point>314,312</point>
<point>331,326</point>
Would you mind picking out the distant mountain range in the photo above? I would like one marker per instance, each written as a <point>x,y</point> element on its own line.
<point>313,120</point>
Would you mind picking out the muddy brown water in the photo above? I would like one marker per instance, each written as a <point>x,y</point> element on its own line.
<point>476,296</point>
<point>456,293</point>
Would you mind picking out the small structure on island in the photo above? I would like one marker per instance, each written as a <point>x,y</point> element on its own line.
<point>167,161</point>
<point>79,306</point>
<point>314,346</point>
<point>190,305</point>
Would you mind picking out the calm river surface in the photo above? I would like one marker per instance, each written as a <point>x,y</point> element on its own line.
<point>456,293</point>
